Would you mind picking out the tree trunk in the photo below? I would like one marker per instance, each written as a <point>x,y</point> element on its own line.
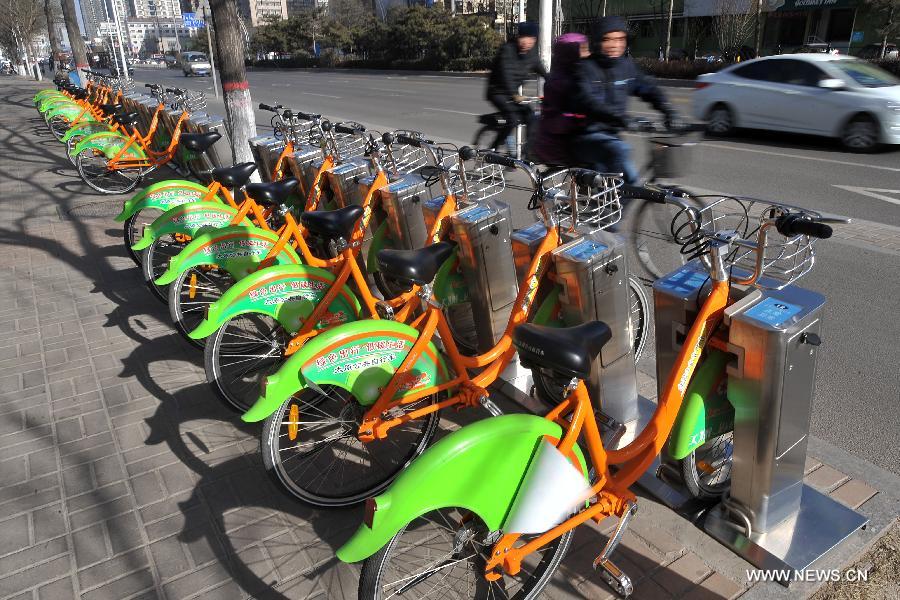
<point>238,105</point>
<point>51,33</point>
<point>887,29</point>
<point>669,30</point>
<point>759,26</point>
<point>79,54</point>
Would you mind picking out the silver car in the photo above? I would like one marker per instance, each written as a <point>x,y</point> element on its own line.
<point>195,63</point>
<point>820,94</point>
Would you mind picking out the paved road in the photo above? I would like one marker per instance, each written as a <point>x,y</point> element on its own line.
<point>859,371</point>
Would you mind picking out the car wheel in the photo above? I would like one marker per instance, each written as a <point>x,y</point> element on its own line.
<point>720,120</point>
<point>860,134</point>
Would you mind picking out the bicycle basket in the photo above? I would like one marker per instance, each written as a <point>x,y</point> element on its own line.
<point>478,180</point>
<point>597,206</point>
<point>671,157</point>
<point>782,260</point>
<point>348,145</point>
<point>405,158</point>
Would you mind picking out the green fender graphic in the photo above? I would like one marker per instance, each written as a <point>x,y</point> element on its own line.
<point>188,219</point>
<point>236,249</point>
<point>164,195</point>
<point>109,143</point>
<point>449,284</point>
<point>548,312</point>
<point>287,293</point>
<point>51,103</point>
<point>360,357</point>
<point>47,93</point>
<point>69,112</point>
<point>84,128</point>
<point>380,240</point>
<point>477,468</point>
<point>705,413</point>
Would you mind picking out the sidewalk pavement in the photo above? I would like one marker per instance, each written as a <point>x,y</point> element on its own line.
<point>124,477</point>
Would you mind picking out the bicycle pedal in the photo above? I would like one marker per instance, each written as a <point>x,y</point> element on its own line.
<point>614,576</point>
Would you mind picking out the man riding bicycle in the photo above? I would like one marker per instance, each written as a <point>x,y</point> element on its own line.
<point>515,62</point>
<point>603,84</point>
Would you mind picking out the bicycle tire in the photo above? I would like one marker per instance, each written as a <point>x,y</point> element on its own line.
<point>93,174</point>
<point>481,138</point>
<point>359,480</point>
<point>207,286</point>
<point>377,567</point>
<point>240,390</point>
<point>549,386</point>
<point>716,477</point>
<point>58,126</point>
<point>653,248</point>
<point>133,231</point>
<point>154,262</point>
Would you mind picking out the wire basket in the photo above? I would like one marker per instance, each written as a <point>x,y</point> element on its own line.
<point>475,180</point>
<point>597,200</point>
<point>404,158</point>
<point>781,260</point>
<point>345,146</point>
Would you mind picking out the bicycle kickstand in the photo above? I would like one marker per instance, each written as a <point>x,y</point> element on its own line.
<point>613,575</point>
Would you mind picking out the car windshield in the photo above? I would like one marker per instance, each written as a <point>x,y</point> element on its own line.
<point>865,74</point>
<point>198,58</point>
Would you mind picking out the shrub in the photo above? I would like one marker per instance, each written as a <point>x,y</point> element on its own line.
<point>678,69</point>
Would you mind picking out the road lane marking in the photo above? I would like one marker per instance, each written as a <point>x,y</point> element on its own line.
<point>321,95</point>
<point>447,110</point>
<point>797,156</point>
<point>878,194</point>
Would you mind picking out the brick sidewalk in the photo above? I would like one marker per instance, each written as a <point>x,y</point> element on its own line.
<point>124,477</point>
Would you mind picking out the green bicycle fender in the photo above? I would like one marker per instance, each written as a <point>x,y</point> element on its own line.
<point>450,286</point>
<point>478,468</point>
<point>360,357</point>
<point>189,219</point>
<point>108,142</point>
<point>164,195</point>
<point>380,241</point>
<point>51,103</point>
<point>548,312</point>
<point>85,128</point>
<point>62,108</point>
<point>689,431</point>
<point>237,249</point>
<point>45,94</point>
<point>287,293</point>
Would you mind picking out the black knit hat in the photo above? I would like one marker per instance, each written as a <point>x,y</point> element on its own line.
<point>528,29</point>
<point>605,25</point>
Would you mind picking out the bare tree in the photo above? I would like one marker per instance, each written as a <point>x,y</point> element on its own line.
<point>236,90</point>
<point>889,11</point>
<point>20,22</point>
<point>51,12</point>
<point>733,24</point>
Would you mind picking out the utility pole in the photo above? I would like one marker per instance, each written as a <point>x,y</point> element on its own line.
<point>669,30</point>
<point>123,72</point>
<point>212,60</point>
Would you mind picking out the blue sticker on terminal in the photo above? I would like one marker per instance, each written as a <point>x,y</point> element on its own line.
<point>435,204</point>
<point>584,250</point>
<point>531,233</point>
<point>476,213</point>
<point>773,311</point>
<point>684,281</point>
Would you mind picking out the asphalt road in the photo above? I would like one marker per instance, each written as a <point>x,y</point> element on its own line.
<point>858,384</point>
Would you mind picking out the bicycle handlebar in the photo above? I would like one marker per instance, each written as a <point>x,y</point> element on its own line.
<point>270,107</point>
<point>791,225</point>
<point>350,130</point>
<point>499,159</point>
<point>467,153</point>
<point>642,193</point>
<point>406,139</point>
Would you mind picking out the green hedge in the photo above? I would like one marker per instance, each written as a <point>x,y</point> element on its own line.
<point>472,63</point>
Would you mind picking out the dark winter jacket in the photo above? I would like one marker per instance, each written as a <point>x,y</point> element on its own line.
<point>511,69</point>
<point>558,119</point>
<point>604,84</point>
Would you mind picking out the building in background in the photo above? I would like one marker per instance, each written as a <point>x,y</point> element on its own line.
<point>257,12</point>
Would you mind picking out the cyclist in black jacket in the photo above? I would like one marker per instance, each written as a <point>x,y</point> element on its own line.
<point>515,62</point>
<point>604,83</point>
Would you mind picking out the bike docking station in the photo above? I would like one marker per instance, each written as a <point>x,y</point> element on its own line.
<point>770,517</point>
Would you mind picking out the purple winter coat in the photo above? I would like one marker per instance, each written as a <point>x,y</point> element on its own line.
<point>558,123</point>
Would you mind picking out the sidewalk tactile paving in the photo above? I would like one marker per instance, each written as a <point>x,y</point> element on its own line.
<point>853,493</point>
<point>825,478</point>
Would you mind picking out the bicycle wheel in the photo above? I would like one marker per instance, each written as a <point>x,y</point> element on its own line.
<point>190,295</point>
<point>241,354</point>
<point>323,462</point>
<point>653,247</point>
<point>549,387</point>
<point>133,230</point>
<point>93,168</point>
<point>155,261</point>
<point>443,553</point>
<point>707,470</point>
<point>58,126</point>
<point>484,136</point>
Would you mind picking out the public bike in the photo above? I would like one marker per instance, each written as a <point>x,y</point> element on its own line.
<point>490,510</point>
